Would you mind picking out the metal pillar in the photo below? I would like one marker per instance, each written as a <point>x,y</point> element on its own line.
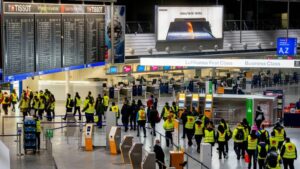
<point>241,17</point>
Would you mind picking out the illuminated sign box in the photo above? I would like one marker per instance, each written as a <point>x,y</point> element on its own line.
<point>189,26</point>
<point>224,63</point>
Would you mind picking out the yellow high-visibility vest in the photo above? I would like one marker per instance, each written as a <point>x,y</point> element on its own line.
<point>169,125</point>
<point>190,122</point>
<point>142,115</point>
<point>105,100</point>
<point>199,129</point>
<point>221,137</point>
<point>209,136</point>
<point>290,151</point>
<point>252,143</point>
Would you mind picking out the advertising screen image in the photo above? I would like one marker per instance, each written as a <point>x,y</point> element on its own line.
<point>189,23</point>
<point>127,69</point>
<point>140,68</point>
<point>113,69</point>
<point>154,68</point>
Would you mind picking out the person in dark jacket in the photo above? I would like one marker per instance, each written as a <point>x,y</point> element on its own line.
<point>155,103</point>
<point>125,111</point>
<point>247,128</point>
<point>133,110</point>
<point>153,119</point>
<point>259,117</point>
<point>159,155</point>
<point>184,120</point>
<point>100,109</point>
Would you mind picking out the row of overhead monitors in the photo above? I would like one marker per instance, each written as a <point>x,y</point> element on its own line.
<point>41,37</point>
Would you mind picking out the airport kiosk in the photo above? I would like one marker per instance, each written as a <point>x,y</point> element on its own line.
<point>181,103</point>
<point>176,159</point>
<point>125,146</point>
<point>195,102</point>
<point>208,108</point>
<point>89,137</point>
<point>114,140</point>
<point>135,155</point>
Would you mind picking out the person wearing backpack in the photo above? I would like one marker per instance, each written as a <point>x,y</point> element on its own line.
<point>263,134</point>
<point>115,109</point>
<point>273,159</point>
<point>251,148</point>
<point>221,139</point>
<point>247,129</point>
<point>189,126</point>
<point>199,129</point>
<point>165,111</point>
<point>238,138</point>
<point>262,151</point>
<point>288,153</point>
<point>209,134</point>
<point>280,134</point>
<point>228,133</point>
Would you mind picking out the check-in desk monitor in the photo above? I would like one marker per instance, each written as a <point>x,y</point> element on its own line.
<point>195,102</point>
<point>208,108</point>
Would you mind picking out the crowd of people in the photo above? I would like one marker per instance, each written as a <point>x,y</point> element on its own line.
<point>252,143</point>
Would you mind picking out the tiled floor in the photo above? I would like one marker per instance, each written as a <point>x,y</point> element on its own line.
<point>68,155</point>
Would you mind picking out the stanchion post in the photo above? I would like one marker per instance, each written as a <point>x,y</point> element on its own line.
<point>3,125</point>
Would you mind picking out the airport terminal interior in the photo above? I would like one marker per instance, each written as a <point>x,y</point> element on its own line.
<point>164,84</point>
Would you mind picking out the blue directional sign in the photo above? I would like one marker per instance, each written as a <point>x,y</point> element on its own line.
<point>286,46</point>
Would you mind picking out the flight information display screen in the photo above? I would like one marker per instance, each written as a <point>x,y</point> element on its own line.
<point>44,37</point>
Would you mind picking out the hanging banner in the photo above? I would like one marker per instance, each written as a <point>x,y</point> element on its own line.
<point>119,34</point>
<point>249,112</point>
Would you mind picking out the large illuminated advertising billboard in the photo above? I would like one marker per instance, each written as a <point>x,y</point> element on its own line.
<point>191,27</point>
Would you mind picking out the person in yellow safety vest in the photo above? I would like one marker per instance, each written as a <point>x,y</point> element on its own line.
<point>51,107</point>
<point>263,134</point>
<point>77,100</point>
<point>1,98</point>
<point>24,106</point>
<point>238,136</point>
<point>273,159</point>
<point>247,129</point>
<point>165,111</point>
<point>169,128</point>
<point>41,93</point>
<point>228,133</point>
<point>105,101</point>
<point>288,153</point>
<point>251,148</point>
<point>262,151</point>
<point>189,127</point>
<point>280,134</point>
<point>89,110</point>
<point>209,135</point>
<point>273,141</point>
<point>199,130</point>
<point>175,108</point>
<point>221,139</point>
<point>42,102</point>
<point>115,109</point>
<point>69,105</point>
<point>5,103</point>
<point>141,120</point>
<point>14,99</point>
<point>35,104</point>
<point>38,132</point>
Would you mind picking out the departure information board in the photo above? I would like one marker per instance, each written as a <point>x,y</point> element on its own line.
<point>73,40</point>
<point>48,42</point>
<point>95,38</point>
<point>45,37</point>
<point>19,46</point>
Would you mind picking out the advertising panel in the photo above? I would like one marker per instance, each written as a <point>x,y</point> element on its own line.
<point>127,69</point>
<point>196,25</point>
<point>119,33</point>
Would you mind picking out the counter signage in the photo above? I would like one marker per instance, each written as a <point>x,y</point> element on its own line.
<point>286,46</point>
<point>248,63</point>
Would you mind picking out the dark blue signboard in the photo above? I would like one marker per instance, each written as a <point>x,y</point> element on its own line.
<point>286,46</point>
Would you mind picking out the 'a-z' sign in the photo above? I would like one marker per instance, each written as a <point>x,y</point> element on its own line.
<point>286,46</point>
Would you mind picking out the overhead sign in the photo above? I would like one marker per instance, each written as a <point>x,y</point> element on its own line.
<point>239,63</point>
<point>286,46</point>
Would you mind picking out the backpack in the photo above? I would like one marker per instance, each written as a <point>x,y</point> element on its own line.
<point>263,151</point>
<point>157,118</point>
<point>228,135</point>
<point>272,160</point>
<point>239,135</point>
<point>263,136</point>
<point>72,103</point>
<point>6,99</point>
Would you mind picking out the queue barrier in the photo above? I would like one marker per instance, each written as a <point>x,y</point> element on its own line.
<point>135,155</point>
<point>149,161</point>
<point>125,146</point>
